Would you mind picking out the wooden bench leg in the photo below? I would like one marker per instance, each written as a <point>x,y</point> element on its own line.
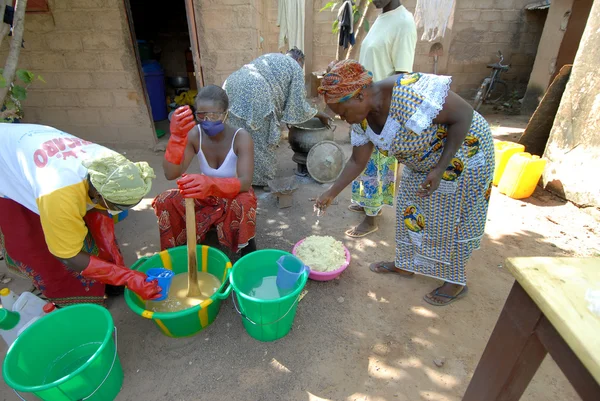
<point>513,353</point>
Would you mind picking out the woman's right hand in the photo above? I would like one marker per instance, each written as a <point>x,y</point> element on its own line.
<point>323,202</point>
<point>182,122</point>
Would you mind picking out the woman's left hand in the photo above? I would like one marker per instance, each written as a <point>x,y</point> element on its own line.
<point>431,183</point>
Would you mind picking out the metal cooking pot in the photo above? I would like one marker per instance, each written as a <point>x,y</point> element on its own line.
<point>179,82</point>
<point>303,137</point>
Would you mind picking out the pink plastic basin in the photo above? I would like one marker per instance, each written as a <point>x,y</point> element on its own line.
<point>320,276</point>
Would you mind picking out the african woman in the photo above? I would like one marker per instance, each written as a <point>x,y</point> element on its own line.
<point>448,153</point>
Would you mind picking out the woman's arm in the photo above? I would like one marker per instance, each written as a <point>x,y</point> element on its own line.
<point>457,114</point>
<point>244,149</point>
<point>356,165</point>
<point>174,171</point>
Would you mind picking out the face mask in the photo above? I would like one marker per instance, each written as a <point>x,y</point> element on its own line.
<point>212,128</point>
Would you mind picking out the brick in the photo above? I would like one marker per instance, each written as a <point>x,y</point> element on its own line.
<point>506,5</point>
<point>36,98</point>
<point>245,17</point>
<point>72,20</point>
<point>454,68</point>
<point>124,117</point>
<point>465,4</point>
<point>233,40</point>
<point>75,80</point>
<point>113,80</point>
<point>218,19</point>
<point>103,41</point>
<point>78,61</point>
<point>137,135</point>
<point>48,116</point>
<point>51,79</point>
<point>60,99</point>
<point>469,15</point>
<point>34,42</point>
<point>84,116</point>
<point>46,61</point>
<point>488,15</point>
<point>244,58</point>
<point>112,61</point>
<point>63,42</point>
<point>39,23</point>
<point>128,98</point>
<point>500,27</point>
<point>512,16</point>
<point>486,4</point>
<point>96,98</point>
<point>225,60</point>
<point>107,20</point>
<point>86,4</point>
<point>488,37</point>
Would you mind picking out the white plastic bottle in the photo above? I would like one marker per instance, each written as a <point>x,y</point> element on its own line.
<point>10,324</point>
<point>49,307</point>
<point>29,307</point>
<point>8,298</point>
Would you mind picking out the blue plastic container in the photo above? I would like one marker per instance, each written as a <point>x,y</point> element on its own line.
<point>164,278</point>
<point>289,271</point>
<point>155,83</point>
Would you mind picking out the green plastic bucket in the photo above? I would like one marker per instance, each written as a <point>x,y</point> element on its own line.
<point>68,355</point>
<point>264,319</point>
<point>190,321</point>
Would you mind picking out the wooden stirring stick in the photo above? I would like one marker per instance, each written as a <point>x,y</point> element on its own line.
<point>190,225</point>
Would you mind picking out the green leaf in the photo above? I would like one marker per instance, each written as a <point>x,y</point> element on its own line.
<point>10,104</point>
<point>367,25</point>
<point>19,92</point>
<point>41,79</point>
<point>25,76</point>
<point>328,6</point>
<point>335,27</point>
<point>2,81</point>
<point>356,17</point>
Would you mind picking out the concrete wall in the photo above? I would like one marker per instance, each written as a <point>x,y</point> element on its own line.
<point>545,61</point>
<point>573,149</point>
<point>228,33</point>
<point>481,28</point>
<point>93,89</point>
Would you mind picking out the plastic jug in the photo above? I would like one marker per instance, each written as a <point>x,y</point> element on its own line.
<point>29,306</point>
<point>290,268</point>
<point>49,307</point>
<point>504,151</point>
<point>164,278</point>
<point>8,298</point>
<point>521,175</point>
<point>10,324</point>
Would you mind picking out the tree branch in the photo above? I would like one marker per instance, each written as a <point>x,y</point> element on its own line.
<point>10,68</point>
<point>358,30</point>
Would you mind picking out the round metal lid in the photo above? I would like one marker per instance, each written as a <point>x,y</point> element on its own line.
<point>325,161</point>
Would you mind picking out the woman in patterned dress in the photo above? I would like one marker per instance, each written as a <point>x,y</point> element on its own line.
<point>448,153</point>
<point>262,95</point>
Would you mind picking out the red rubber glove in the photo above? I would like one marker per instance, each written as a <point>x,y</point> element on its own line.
<point>109,273</point>
<point>182,122</point>
<point>102,229</point>
<point>200,186</point>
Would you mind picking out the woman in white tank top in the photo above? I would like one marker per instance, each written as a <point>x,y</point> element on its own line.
<point>222,191</point>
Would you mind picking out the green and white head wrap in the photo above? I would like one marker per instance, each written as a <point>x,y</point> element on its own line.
<point>119,180</point>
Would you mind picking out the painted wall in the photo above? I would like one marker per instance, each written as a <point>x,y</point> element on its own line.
<point>573,149</point>
<point>83,50</point>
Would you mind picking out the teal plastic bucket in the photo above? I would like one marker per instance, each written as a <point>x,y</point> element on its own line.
<point>68,355</point>
<point>264,319</point>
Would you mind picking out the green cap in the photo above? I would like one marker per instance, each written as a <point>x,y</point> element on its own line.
<point>8,319</point>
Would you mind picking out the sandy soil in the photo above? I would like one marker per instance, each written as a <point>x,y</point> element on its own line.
<point>362,337</point>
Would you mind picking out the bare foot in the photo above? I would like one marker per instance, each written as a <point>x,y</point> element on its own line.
<point>368,226</point>
<point>389,267</point>
<point>446,294</point>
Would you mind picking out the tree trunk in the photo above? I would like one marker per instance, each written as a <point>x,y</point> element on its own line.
<point>12,60</point>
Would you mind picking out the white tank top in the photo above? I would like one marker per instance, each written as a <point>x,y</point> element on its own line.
<point>226,170</point>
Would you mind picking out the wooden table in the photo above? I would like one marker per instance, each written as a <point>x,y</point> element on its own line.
<point>546,312</point>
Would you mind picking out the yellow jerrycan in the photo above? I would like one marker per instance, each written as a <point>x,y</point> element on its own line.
<point>521,175</point>
<point>503,151</point>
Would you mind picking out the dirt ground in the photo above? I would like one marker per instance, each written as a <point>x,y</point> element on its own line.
<point>362,337</point>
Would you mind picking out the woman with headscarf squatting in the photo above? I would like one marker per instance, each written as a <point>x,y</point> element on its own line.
<point>55,191</point>
<point>448,153</point>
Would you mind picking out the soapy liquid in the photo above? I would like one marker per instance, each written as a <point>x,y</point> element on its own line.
<point>178,300</point>
<point>267,289</point>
